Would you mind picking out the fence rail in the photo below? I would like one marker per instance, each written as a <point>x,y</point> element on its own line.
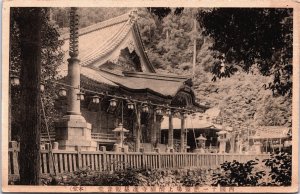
<point>69,161</point>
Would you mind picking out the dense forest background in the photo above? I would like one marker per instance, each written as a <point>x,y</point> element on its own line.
<point>169,43</point>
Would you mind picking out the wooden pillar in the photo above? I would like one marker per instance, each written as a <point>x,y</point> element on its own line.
<point>170,132</point>
<point>280,145</point>
<point>158,126</point>
<point>153,131</point>
<point>138,131</point>
<point>182,134</point>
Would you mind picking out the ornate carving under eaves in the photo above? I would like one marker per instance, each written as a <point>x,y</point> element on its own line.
<point>126,61</point>
<point>189,82</point>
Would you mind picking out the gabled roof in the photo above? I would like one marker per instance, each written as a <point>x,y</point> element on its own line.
<point>270,132</point>
<point>103,41</point>
<point>192,122</point>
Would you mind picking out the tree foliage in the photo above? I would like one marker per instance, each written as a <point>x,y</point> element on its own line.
<point>248,37</point>
<point>281,169</point>
<point>238,174</point>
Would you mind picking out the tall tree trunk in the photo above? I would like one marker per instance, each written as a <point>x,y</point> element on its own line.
<point>29,21</point>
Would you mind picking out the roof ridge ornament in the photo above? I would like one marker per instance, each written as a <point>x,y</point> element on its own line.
<point>133,16</point>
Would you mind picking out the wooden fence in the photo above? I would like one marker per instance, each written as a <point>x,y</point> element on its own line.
<point>69,161</point>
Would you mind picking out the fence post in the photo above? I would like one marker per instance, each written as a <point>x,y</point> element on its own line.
<point>103,149</point>
<point>79,157</point>
<point>172,151</point>
<point>50,158</point>
<point>144,162</point>
<point>159,158</point>
<point>14,146</point>
<point>125,160</point>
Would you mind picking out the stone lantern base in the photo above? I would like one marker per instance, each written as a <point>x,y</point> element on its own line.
<point>222,146</point>
<point>257,147</point>
<point>72,131</point>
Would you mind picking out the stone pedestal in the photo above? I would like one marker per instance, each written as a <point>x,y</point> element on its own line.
<point>222,147</point>
<point>55,145</point>
<point>117,148</point>
<point>169,149</point>
<point>72,131</point>
<point>257,147</point>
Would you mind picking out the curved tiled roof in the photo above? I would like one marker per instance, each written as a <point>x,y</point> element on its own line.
<point>96,76</point>
<point>100,40</point>
<point>98,26</point>
<point>161,84</point>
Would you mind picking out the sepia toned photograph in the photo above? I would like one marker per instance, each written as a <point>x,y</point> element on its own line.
<point>150,98</point>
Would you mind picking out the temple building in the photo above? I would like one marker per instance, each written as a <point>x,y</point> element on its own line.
<point>114,63</point>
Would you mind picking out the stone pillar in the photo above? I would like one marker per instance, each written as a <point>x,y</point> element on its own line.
<point>138,131</point>
<point>182,134</point>
<point>74,80</point>
<point>73,130</point>
<point>170,132</point>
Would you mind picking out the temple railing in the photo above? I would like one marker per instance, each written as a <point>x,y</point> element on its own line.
<point>69,161</point>
<point>98,137</point>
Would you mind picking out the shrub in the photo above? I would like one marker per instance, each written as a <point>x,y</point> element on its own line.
<point>237,174</point>
<point>280,165</point>
<point>194,178</point>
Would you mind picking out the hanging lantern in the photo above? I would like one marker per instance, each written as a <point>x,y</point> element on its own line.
<point>62,92</point>
<point>200,117</point>
<point>42,87</point>
<point>177,113</point>
<point>113,102</point>
<point>158,111</point>
<point>96,99</point>
<point>185,115</point>
<point>80,96</point>
<point>14,80</point>
<point>190,112</point>
<point>168,112</point>
<point>145,108</point>
<point>193,115</point>
<point>130,105</point>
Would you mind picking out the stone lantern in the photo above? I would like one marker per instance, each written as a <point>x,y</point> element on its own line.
<point>223,138</point>
<point>201,144</point>
<point>120,131</point>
